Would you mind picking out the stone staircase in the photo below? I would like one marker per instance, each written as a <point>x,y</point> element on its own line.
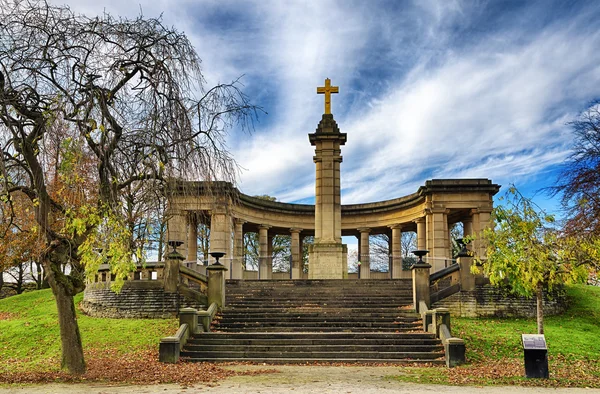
<point>297,321</point>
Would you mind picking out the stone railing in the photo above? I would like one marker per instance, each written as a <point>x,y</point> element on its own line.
<point>444,283</point>
<point>191,321</point>
<point>149,271</point>
<point>437,321</point>
<point>153,290</point>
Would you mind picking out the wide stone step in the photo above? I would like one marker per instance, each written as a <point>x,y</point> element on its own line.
<point>314,304</point>
<point>323,329</point>
<point>313,336</point>
<point>313,342</point>
<point>307,355</point>
<point>315,319</point>
<point>283,360</point>
<point>258,316</point>
<point>295,347</point>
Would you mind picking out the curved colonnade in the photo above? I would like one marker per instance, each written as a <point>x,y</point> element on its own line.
<point>430,212</point>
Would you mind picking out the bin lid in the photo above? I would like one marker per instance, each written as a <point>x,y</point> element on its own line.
<point>534,341</point>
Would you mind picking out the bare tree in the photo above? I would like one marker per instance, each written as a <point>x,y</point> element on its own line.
<point>132,96</point>
<point>579,180</point>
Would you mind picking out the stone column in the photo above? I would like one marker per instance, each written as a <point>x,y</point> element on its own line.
<point>176,231</point>
<point>302,262</point>
<point>365,257</point>
<point>296,253</point>
<point>467,227</point>
<point>467,279</point>
<point>192,241</point>
<point>220,223</point>
<point>263,250</point>
<point>437,237</point>
<point>396,250</point>
<point>480,221</point>
<point>228,258</point>
<point>237,268</point>
<point>270,254</point>
<point>484,222</point>
<point>421,234</point>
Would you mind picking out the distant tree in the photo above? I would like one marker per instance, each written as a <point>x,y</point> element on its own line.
<point>130,97</point>
<point>579,181</point>
<point>525,253</point>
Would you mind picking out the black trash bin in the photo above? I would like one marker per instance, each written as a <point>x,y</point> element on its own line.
<point>536,356</point>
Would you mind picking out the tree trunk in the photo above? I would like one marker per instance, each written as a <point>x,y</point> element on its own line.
<point>72,349</point>
<point>540,308</point>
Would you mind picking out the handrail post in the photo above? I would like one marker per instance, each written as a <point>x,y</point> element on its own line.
<point>216,284</point>
<point>420,278</point>
<point>171,271</point>
<point>189,316</point>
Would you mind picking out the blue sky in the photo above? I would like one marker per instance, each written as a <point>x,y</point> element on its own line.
<point>428,89</point>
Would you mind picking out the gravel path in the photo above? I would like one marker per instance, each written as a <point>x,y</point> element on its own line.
<point>294,379</point>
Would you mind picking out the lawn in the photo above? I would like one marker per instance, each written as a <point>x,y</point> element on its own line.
<point>125,350</point>
<point>495,355</point>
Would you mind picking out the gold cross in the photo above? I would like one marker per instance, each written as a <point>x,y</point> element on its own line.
<point>327,90</point>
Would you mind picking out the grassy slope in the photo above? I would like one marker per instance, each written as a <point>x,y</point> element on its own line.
<point>495,354</point>
<point>571,335</point>
<point>29,334</point>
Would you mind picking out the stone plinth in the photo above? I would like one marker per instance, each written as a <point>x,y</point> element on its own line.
<point>328,261</point>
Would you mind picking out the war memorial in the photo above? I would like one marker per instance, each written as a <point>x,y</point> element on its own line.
<point>318,313</point>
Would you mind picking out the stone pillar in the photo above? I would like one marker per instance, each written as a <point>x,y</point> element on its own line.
<point>326,254</point>
<point>237,267</point>
<point>420,277</point>
<point>189,316</point>
<point>484,222</point>
<point>227,260</point>
<point>263,250</point>
<point>421,234</point>
<point>302,262</point>
<point>220,223</point>
<point>192,241</point>
<point>296,253</point>
<point>216,284</point>
<point>437,237</point>
<point>365,257</point>
<point>467,227</point>
<point>171,272</point>
<point>396,250</point>
<point>480,220</point>
<point>270,254</point>
<point>467,278</point>
<point>176,231</point>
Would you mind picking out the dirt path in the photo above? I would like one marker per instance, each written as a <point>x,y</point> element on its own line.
<point>294,379</point>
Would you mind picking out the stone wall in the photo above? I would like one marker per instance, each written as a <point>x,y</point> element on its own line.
<point>489,301</point>
<point>137,299</point>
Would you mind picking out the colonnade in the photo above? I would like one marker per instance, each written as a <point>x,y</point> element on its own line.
<point>227,234</point>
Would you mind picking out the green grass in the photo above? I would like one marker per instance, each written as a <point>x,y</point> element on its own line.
<point>495,354</point>
<point>572,335</point>
<point>30,340</point>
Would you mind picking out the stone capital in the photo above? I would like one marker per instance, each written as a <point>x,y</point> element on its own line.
<point>396,226</point>
<point>295,230</point>
<point>364,230</point>
<point>239,221</point>
<point>264,226</point>
<point>419,220</point>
